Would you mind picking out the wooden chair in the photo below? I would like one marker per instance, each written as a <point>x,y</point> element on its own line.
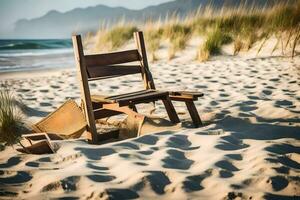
<point>103,66</point>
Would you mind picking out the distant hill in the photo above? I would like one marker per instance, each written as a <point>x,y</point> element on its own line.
<point>55,24</point>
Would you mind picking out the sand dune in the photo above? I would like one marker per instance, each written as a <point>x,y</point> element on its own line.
<point>248,149</point>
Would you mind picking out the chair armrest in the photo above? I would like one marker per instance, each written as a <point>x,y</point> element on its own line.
<point>186,93</point>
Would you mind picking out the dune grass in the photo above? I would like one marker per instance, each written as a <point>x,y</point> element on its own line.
<point>213,44</point>
<point>115,37</point>
<point>178,35</point>
<point>11,121</point>
<point>245,26</point>
<point>153,32</point>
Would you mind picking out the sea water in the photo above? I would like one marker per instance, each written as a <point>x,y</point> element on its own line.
<point>26,55</point>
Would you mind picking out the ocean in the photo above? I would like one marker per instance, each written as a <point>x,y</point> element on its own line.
<point>26,55</point>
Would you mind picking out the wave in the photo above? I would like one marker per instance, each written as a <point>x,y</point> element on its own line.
<point>34,44</point>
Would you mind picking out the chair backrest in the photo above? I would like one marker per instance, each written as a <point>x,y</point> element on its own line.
<point>109,65</point>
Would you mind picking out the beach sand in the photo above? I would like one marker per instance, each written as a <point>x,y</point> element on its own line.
<point>248,149</point>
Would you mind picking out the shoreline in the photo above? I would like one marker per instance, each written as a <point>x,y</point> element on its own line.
<point>34,73</point>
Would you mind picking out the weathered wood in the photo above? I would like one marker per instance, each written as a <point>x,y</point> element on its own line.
<point>112,58</point>
<point>146,74</point>
<point>103,113</point>
<point>188,93</point>
<point>194,113</point>
<point>143,98</point>
<point>130,94</point>
<point>182,98</point>
<point>171,110</point>
<point>114,70</point>
<point>84,87</point>
<point>124,109</point>
<point>109,135</point>
<point>102,99</point>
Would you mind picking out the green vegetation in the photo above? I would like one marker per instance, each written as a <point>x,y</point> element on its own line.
<point>117,36</point>
<point>152,36</point>
<point>178,34</point>
<point>213,43</point>
<point>11,123</point>
<point>243,26</point>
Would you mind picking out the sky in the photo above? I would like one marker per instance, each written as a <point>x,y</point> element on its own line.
<point>13,10</point>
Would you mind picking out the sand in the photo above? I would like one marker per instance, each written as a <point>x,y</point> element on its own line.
<point>248,149</point>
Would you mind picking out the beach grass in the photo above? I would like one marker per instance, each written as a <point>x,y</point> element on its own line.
<point>115,37</point>
<point>213,44</point>
<point>11,121</point>
<point>242,26</point>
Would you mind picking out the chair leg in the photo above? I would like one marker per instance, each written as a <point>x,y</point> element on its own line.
<point>194,113</point>
<point>133,107</point>
<point>171,110</point>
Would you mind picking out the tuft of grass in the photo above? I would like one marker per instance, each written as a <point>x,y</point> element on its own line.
<point>178,34</point>
<point>11,122</point>
<point>246,25</point>
<point>153,37</point>
<point>117,36</point>
<point>213,44</point>
<point>237,46</point>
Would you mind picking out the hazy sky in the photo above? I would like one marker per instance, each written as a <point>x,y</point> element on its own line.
<point>13,10</point>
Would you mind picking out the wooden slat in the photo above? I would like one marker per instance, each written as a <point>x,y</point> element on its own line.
<point>103,113</point>
<point>183,98</point>
<point>141,92</point>
<point>115,70</point>
<point>148,97</point>
<point>112,58</point>
<point>187,93</point>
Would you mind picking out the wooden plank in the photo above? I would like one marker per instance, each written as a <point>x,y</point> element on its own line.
<point>148,97</point>
<point>115,70</point>
<point>182,98</point>
<point>146,74</point>
<point>171,110</point>
<point>130,94</point>
<point>84,87</point>
<point>191,93</point>
<point>112,58</point>
<point>193,113</point>
<point>103,113</point>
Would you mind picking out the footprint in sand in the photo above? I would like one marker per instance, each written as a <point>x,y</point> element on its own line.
<point>100,178</point>
<point>230,143</point>
<point>235,156</point>
<point>176,160</point>
<point>279,182</point>
<point>147,139</point>
<point>67,184</point>
<point>267,92</point>
<point>45,104</point>
<point>16,178</point>
<point>22,90</point>
<point>226,168</point>
<point>11,162</point>
<point>157,180</point>
<point>193,183</point>
<point>118,193</point>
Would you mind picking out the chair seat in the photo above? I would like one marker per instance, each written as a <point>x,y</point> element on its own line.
<point>143,96</point>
